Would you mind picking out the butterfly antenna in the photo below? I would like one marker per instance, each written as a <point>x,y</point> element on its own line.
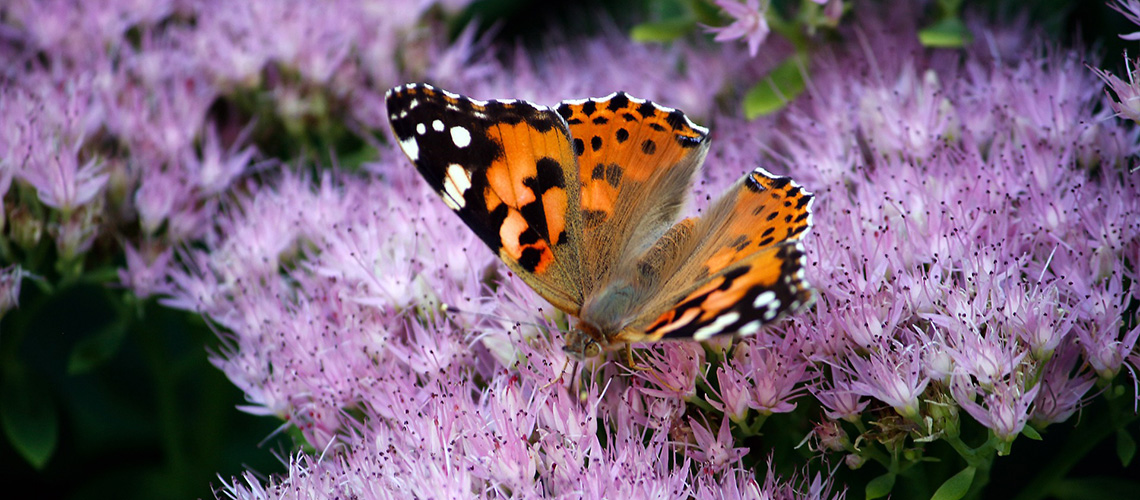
<point>445,308</point>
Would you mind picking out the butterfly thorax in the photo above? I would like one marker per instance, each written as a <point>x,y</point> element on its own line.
<point>604,315</point>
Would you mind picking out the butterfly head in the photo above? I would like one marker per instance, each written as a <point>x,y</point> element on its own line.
<point>581,344</point>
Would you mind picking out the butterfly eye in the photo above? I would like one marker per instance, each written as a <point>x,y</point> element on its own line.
<point>592,349</point>
<point>580,345</point>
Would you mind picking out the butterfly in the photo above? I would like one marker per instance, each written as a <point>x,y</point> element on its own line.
<point>581,201</point>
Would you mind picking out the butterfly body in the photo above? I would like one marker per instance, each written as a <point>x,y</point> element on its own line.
<point>581,201</point>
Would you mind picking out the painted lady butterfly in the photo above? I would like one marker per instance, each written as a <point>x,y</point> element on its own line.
<point>580,202</point>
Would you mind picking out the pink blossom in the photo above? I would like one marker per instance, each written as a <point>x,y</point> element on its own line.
<point>749,23</point>
<point>1004,407</point>
<point>1064,387</point>
<point>714,453</point>
<point>892,374</point>
<point>1127,101</point>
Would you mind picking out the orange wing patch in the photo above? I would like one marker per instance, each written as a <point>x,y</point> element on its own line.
<point>766,210</point>
<point>528,177</point>
<point>619,139</point>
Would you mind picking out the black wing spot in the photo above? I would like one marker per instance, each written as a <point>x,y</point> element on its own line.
<point>528,238</point>
<point>593,218</point>
<point>780,182</point>
<point>579,147</point>
<point>622,135</point>
<point>656,127</point>
<point>601,120</point>
<point>688,142</point>
<point>772,216</point>
<point>803,201</point>
<point>740,243</point>
<point>649,147</point>
<point>549,173</point>
<point>596,143</point>
<point>753,185</point>
<point>768,232</point>
<point>629,117</point>
<point>613,174</point>
<point>766,241</point>
<point>530,258</point>
<point>646,109</point>
<point>599,172</point>
<point>676,119</point>
<point>619,101</point>
<point>589,108</point>
<point>565,112</point>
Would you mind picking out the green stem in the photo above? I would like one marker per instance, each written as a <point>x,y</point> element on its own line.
<point>169,421</point>
<point>702,404</point>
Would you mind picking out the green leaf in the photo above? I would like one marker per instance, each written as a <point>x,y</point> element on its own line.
<point>29,418</point>
<point>782,85</point>
<point>1125,447</point>
<point>96,348</point>
<point>949,33</point>
<point>1031,433</point>
<point>662,31</point>
<point>880,486</point>
<point>957,486</point>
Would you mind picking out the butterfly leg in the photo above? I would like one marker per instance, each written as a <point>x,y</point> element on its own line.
<point>557,379</point>
<point>629,361</point>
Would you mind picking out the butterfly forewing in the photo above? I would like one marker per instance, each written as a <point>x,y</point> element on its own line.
<point>507,169</point>
<point>637,161</point>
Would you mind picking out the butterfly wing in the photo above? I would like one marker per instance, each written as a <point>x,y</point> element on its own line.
<point>637,161</point>
<point>508,170</point>
<point>737,268</point>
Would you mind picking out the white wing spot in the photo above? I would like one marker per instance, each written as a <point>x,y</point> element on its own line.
<point>449,202</point>
<point>413,104</point>
<point>716,326</point>
<point>460,136</point>
<point>437,126</point>
<point>411,148</point>
<point>455,184</point>
<point>770,314</point>
<point>421,129</point>
<point>764,299</point>
<point>750,328</point>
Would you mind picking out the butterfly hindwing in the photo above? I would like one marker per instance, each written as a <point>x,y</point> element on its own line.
<point>738,267</point>
<point>507,169</point>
